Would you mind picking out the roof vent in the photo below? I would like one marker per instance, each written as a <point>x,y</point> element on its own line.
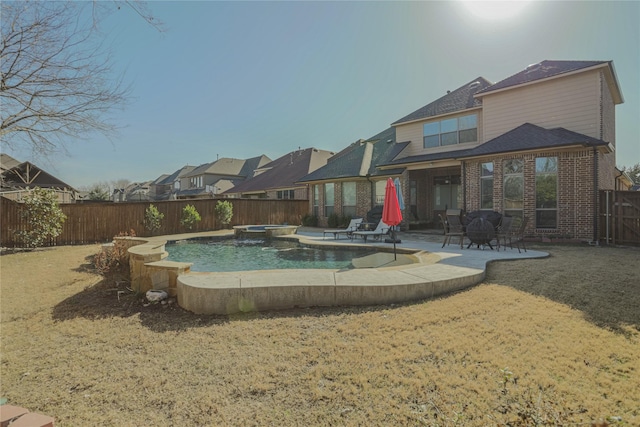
<point>474,85</point>
<point>389,141</point>
<point>533,67</point>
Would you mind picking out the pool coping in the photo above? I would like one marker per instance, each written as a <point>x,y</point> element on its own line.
<point>232,292</point>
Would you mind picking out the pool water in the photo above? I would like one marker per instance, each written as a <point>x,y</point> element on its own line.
<point>259,254</point>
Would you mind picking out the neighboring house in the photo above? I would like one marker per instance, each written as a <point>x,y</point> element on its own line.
<point>539,144</point>
<point>278,179</point>
<point>350,184</point>
<point>166,187</point>
<point>17,179</point>
<point>623,181</point>
<point>211,179</point>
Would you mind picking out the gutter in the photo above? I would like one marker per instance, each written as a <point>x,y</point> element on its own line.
<point>595,196</point>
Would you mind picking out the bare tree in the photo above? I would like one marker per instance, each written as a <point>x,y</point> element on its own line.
<point>56,77</point>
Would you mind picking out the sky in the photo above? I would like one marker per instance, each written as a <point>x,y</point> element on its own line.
<point>241,79</point>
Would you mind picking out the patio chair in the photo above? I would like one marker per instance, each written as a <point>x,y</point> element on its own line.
<point>353,226</point>
<point>452,228</point>
<point>517,234</point>
<point>503,231</point>
<point>381,230</point>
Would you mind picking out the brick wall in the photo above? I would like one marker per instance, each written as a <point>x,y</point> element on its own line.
<point>575,192</point>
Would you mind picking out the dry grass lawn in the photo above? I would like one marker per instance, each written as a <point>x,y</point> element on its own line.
<point>552,341</point>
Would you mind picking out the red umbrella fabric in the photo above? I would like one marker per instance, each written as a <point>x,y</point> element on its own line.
<point>391,213</point>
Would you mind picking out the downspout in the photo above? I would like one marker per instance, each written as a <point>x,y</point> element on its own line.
<point>372,191</point>
<point>464,186</point>
<point>595,196</point>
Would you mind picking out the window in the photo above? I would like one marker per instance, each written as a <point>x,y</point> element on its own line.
<point>328,199</point>
<point>380,188</point>
<point>486,186</point>
<point>451,131</point>
<point>195,181</point>
<point>349,199</point>
<point>316,200</point>
<point>513,187</point>
<point>286,194</point>
<point>546,192</point>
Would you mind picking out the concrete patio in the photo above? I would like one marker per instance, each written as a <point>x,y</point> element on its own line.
<point>423,269</point>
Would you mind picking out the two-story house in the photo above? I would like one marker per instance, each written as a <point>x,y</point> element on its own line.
<point>278,179</point>
<point>212,179</point>
<point>166,187</point>
<point>539,144</point>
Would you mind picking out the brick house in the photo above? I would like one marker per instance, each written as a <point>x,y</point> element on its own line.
<point>539,144</point>
<point>278,179</point>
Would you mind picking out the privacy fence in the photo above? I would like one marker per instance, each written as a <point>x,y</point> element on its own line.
<point>620,217</point>
<point>89,223</point>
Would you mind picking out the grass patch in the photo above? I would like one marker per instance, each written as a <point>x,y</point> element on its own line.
<point>550,341</point>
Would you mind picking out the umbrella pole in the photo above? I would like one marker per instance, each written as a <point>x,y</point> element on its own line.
<point>395,257</point>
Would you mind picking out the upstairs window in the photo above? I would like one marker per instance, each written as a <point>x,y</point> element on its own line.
<point>458,130</point>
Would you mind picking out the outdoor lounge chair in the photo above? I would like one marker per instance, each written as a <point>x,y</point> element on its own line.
<point>353,226</point>
<point>380,230</point>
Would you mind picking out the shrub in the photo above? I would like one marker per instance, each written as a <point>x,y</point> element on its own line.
<point>309,220</point>
<point>345,220</point>
<point>113,261</point>
<point>152,219</point>
<point>43,216</point>
<point>190,217</point>
<point>333,220</point>
<point>224,212</point>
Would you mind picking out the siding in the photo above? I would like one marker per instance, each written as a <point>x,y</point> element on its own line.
<point>413,132</point>
<point>572,102</point>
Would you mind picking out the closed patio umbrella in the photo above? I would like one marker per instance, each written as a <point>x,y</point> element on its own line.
<point>391,213</point>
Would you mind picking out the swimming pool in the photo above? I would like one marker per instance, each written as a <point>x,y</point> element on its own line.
<point>260,254</point>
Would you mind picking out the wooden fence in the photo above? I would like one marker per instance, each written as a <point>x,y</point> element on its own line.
<point>619,221</point>
<point>89,223</point>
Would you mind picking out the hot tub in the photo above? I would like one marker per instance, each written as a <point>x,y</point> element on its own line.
<point>264,230</point>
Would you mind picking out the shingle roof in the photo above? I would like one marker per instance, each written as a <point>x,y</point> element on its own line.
<point>361,159</point>
<point>7,162</point>
<point>523,138</point>
<point>541,70</point>
<point>170,179</point>
<point>458,100</point>
<point>532,137</point>
<point>285,171</point>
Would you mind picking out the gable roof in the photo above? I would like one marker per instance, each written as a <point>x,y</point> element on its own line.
<point>170,179</point>
<point>230,167</point>
<point>285,171</point>
<point>28,175</point>
<point>7,162</point>
<point>525,137</point>
<point>361,159</point>
<point>458,100</point>
<point>543,70</point>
